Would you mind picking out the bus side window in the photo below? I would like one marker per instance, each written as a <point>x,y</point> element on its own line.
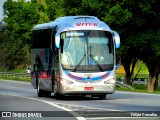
<point>41,39</point>
<point>46,38</point>
<point>34,39</point>
<point>54,49</point>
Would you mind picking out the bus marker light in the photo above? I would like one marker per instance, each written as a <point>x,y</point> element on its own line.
<point>44,75</point>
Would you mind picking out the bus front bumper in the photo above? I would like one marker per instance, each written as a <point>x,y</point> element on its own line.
<point>87,89</point>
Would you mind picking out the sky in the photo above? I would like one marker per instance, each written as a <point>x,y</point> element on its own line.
<point>1,9</point>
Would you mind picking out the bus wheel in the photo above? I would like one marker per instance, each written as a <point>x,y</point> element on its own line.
<point>102,97</point>
<point>40,92</point>
<point>47,93</point>
<point>58,96</point>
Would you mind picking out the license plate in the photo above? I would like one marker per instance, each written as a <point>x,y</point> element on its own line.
<point>88,88</point>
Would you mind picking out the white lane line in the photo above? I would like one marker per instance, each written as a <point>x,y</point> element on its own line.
<point>57,102</point>
<point>88,107</point>
<point>77,116</point>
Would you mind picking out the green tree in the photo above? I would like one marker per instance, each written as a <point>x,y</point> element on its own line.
<point>150,54</point>
<point>143,16</point>
<point>41,9</point>
<point>118,17</point>
<point>147,41</point>
<point>20,16</point>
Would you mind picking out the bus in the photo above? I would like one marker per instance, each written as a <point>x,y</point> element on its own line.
<point>74,55</point>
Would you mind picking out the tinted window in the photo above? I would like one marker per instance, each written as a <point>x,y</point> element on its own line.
<point>41,38</point>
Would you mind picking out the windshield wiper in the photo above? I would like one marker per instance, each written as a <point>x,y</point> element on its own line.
<point>75,69</point>
<point>99,66</point>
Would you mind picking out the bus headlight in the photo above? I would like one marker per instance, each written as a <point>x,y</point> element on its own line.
<point>65,81</point>
<point>110,81</point>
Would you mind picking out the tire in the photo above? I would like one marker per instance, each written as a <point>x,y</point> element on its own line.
<point>47,93</point>
<point>102,97</point>
<point>58,96</point>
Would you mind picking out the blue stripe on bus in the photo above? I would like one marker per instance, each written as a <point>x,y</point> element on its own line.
<point>85,78</point>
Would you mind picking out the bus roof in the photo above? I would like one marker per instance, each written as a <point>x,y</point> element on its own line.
<point>74,22</point>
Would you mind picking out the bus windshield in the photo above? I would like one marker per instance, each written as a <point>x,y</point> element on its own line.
<point>87,50</point>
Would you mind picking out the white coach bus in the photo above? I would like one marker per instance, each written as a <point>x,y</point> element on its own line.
<point>74,55</point>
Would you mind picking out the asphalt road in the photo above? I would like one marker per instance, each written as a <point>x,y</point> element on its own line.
<point>19,98</point>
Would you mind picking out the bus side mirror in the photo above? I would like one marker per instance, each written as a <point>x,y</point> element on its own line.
<point>57,40</point>
<point>117,66</point>
<point>117,39</point>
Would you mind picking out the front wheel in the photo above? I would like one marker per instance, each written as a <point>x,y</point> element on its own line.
<point>47,93</point>
<point>102,97</point>
<point>58,96</point>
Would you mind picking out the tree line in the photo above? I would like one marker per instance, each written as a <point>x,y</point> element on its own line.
<point>137,22</point>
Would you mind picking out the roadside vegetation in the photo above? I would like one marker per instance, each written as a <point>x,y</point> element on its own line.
<point>138,88</point>
<point>140,71</point>
<point>16,78</point>
<point>16,70</point>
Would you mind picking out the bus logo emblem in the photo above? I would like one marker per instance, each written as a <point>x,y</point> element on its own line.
<point>87,24</point>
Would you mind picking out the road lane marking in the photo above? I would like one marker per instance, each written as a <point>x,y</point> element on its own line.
<point>68,109</point>
<point>77,116</point>
<point>88,107</point>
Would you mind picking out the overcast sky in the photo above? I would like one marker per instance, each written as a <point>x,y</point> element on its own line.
<point>1,9</point>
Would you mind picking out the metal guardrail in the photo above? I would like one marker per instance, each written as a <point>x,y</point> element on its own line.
<point>11,75</point>
<point>139,79</point>
<point>121,84</point>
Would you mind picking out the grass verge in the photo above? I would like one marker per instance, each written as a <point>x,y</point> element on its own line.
<point>138,88</point>
<point>16,78</point>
